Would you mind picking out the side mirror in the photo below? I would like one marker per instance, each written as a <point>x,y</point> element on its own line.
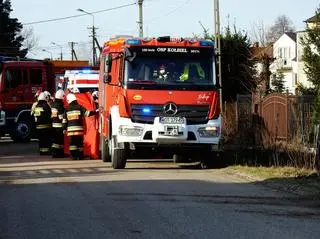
<point>108,64</point>
<point>106,78</point>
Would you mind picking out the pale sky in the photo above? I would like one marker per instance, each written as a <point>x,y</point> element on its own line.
<point>161,17</point>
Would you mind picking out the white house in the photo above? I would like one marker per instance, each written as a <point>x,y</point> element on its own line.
<point>301,75</point>
<point>284,53</point>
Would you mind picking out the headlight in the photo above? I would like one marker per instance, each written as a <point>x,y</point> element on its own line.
<point>127,130</point>
<point>209,131</point>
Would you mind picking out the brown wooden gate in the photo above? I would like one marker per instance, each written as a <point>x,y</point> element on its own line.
<point>285,116</point>
<point>274,112</point>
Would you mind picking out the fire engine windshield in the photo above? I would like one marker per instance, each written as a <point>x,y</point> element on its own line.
<point>170,68</point>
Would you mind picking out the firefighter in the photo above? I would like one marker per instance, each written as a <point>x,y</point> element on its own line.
<point>49,98</point>
<point>192,71</point>
<point>73,124</point>
<point>95,99</point>
<point>42,115</point>
<point>36,95</point>
<point>57,113</point>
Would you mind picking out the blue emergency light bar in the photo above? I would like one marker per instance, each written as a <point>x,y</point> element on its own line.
<point>86,71</point>
<point>206,43</point>
<point>133,42</point>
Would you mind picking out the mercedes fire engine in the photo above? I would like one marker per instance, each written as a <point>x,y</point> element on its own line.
<point>159,95</point>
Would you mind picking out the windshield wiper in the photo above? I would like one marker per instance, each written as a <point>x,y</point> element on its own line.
<point>144,82</point>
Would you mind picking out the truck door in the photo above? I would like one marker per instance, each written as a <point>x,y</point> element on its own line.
<point>35,82</point>
<point>14,87</point>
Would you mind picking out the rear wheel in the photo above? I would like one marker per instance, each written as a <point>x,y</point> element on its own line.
<point>212,159</point>
<point>118,156</point>
<point>105,153</point>
<point>22,131</point>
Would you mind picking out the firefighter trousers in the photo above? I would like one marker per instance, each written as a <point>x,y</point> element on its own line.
<point>76,147</point>
<point>57,143</point>
<point>45,140</point>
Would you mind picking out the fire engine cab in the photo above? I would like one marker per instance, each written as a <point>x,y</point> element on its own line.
<point>159,95</point>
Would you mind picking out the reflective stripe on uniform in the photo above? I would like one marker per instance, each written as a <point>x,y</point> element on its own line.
<point>73,147</point>
<point>87,113</point>
<point>74,128</point>
<point>57,125</point>
<point>74,112</point>
<point>75,133</point>
<point>44,150</point>
<point>57,146</point>
<point>64,121</point>
<point>43,126</point>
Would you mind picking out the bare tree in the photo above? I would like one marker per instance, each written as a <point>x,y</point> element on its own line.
<point>83,50</point>
<point>281,25</point>
<point>259,33</point>
<point>30,39</point>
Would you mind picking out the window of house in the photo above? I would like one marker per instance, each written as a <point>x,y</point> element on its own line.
<point>36,76</point>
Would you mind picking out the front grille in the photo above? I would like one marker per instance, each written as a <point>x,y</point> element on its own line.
<point>195,114</point>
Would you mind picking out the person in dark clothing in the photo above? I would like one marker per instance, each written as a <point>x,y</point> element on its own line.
<point>73,123</point>
<point>42,115</point>
<point>57,113</point>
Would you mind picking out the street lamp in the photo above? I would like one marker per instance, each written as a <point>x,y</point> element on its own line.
<point>53,43</point>
<point>93,36</point>
<point>89,13</point>
<point>48,52</point>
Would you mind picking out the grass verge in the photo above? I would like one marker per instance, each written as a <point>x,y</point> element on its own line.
<point>273,172</point>
<point>298,181</point>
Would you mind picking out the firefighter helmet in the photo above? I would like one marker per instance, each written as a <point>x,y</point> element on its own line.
<point>42,96</point>
<point>71,97</point>
<point>59,94</point>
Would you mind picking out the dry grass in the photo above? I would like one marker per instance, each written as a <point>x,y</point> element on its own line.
<point>272,172</point>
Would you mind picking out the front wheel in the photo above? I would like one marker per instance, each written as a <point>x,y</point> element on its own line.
<point>22,131</point>
<point>118,156</point>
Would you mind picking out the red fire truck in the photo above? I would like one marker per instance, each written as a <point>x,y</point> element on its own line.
<point>19,81</point>
<point>159,95</point>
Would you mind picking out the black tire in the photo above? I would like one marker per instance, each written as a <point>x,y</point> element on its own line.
<point>177,158</point>
<point>105,154</point>
<point>118,156</point>
<point>22,131</point>
<point>118,159</point>
<point>212,160</point>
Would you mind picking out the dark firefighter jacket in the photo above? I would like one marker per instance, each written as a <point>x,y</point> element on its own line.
<point>57,113</point>
<point>42,115</point>
<point>74,117</point>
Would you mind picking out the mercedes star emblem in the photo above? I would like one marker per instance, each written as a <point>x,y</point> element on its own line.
<point>170,108</point>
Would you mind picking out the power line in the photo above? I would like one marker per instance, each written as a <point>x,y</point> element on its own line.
<point>170,12</point>
<point>79,15</point>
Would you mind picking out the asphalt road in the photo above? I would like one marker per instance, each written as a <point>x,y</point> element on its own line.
<point>44,198</point>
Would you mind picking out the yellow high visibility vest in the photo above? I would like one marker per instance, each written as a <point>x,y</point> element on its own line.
<point>185,74</point>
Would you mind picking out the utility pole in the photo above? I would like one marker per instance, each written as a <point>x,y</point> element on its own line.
<point>93,32</point>
<point>61,55</point>
<point>140,22</point>
<point>73,53</point>
<point>218,44</point>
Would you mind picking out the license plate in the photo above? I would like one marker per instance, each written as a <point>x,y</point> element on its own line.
<point>171,120</point>
<point>171,130</point>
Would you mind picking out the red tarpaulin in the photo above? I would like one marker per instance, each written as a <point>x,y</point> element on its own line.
<point>91,136</point>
